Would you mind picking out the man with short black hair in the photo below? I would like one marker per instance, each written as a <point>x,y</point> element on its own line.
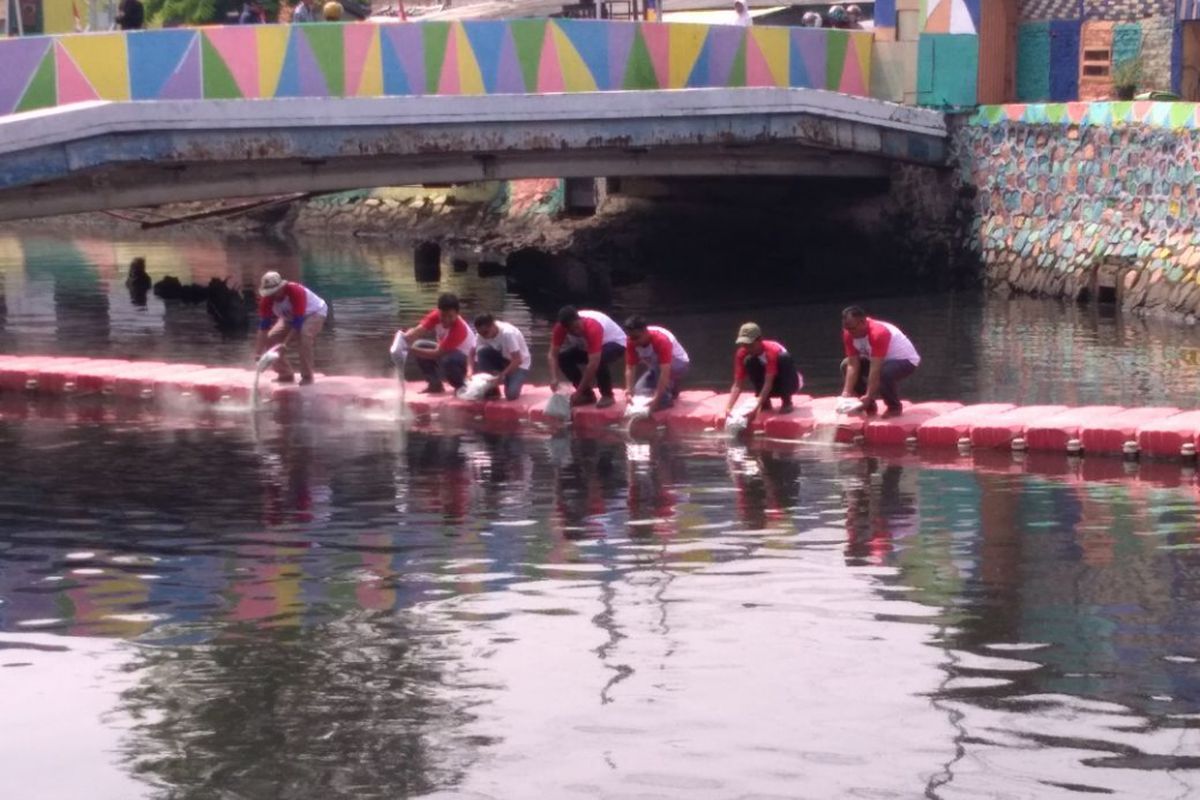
<point>451,359</point>
<point>501,350</point>
<point>659,353</point>
<point>878,357</point>
<point>582,346</point>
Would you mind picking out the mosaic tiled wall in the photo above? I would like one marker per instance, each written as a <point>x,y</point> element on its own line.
<point>1064,189</point>
<point>439,58</point>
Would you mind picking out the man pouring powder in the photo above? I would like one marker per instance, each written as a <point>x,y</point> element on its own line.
<point>878,357</point>
<point>289,312</point>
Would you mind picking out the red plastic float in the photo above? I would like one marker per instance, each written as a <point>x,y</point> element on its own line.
<point>1166,438</point>
<point>1001,430</point>
<point>947,430</point>
<point>1056,432</point>
<point>896,431</point>
<point>1110,434</point>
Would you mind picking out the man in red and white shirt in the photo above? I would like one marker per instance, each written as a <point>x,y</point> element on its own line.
<point>289,312</point>
<point>451,359</point>
<point>582,346</point>
<point>665,362</point>
<point>770,368</point>
<point>878,357</point>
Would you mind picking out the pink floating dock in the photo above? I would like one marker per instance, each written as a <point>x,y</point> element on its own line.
<point>989,429</point>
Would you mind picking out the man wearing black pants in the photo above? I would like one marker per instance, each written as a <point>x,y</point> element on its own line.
<point>583,345</point>
<point>770,368</point>
<point>878,357</point>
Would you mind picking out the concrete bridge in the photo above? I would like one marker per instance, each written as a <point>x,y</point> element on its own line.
<point>107,121</point>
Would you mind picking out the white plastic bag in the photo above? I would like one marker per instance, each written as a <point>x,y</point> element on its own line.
<point>399,349</point>
<point>739,418</point>
<point>477,387</point>
<point>848,405</point>
<point>558,407</point>
<point>637,408</point>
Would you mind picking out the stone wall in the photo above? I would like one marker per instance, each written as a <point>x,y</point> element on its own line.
<point>1074,200</point>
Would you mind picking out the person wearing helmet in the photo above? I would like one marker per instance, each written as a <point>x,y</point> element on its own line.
<point>743,16</point>
<point>768,365</point>
<point>811,19</point>
<point>289,312</point>
<point>332,11</point>
<point>854,14</point>
<point>837,17</point>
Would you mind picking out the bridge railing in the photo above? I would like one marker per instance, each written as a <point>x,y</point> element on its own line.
<point>529,56</point>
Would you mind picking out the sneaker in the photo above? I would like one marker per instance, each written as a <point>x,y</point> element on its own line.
<point>285,379</point>
<point>306,381</point>
<point>605,401</point>
<point>582,399</point>
<point>787,407</point>
<point>893,411</point>
<point>433,389</point>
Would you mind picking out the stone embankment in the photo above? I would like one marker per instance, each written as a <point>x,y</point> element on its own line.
<point>1087,201</point>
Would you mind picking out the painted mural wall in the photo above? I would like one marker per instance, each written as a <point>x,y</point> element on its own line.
<point>927,51</point>
<point>431,58</point>
<point>1064,190</point>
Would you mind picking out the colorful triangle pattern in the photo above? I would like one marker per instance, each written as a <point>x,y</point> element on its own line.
<point>445,58</point>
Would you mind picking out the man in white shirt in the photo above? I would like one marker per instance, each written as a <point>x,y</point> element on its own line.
<point>743,15</point>
<point>501,351</point>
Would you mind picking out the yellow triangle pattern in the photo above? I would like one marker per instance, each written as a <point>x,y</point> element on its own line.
<point>576,75</point>
<point>371,84</point>
<point>272,49</point>
<point>103,60</point>
<point>862,48</point>
<point>470,79</point>
<point>686,42</point>
<point>773,44</point>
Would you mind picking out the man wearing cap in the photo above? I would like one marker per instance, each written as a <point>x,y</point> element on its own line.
<point>582,346</point>
<point>663,358</point>
<point>769,366</point>
<point>878,357</point>
<point>287,312</point>
<point>451,359</point>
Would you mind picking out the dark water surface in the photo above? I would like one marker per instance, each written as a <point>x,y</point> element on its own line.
<point>202,611</point>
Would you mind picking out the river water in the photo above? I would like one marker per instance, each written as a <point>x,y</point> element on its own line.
<point>200,609</point>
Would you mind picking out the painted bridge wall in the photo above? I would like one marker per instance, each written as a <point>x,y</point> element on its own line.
<point>535,56</point>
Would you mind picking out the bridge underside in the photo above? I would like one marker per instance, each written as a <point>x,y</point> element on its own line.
<point>101,156</point>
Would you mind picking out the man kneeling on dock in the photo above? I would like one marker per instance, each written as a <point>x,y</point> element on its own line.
<point>451,359</point>
<point>288,311</point>
<point>502,351</point>
<point>665,362</point>
<point>878,357</point>
<point>582,346</point>
<point>770,368</point>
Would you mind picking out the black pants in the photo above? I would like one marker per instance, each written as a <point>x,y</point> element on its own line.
<point>787,381</point>
<point>572,362</point>
<point>892,372</point>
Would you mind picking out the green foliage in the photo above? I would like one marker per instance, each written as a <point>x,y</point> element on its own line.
<point>201,12</point>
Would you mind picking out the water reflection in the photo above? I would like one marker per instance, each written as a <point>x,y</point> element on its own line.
<point>333,609</point>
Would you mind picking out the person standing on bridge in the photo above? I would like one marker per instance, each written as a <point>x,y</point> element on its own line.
<point>582,346</point>
<point>770,368</point>
<point>252,13</point>
<point>659,353</point>
<point>132,15</point>
<point>304,12</point>
<point>502,351</point>
<point>287,312</point>
<point>878,357</point>
<point>743,16</point>
<point>450,360</point>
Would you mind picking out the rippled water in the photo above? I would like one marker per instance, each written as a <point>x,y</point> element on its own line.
<point>195,610</point>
